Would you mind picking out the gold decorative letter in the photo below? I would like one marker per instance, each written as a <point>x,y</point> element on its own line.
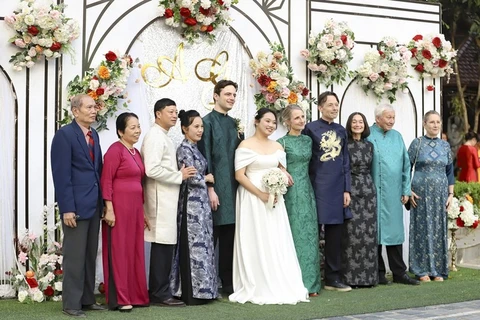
<point>176,65</point>
<point>220,60</point>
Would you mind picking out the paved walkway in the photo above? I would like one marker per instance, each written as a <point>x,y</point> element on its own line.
<point>469,310</point>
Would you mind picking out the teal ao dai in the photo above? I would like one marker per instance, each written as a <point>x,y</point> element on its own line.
<point>301,209</point>
<point>194,202</point>
<point>433,174</point>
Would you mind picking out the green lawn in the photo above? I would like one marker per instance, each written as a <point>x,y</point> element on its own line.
<point>461,286</point>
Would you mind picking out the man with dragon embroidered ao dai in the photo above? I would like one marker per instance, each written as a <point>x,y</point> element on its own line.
<point>330,176</point>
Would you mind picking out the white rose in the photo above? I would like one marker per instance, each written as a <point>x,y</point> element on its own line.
<point>205,4</point>
<point>170,22</point>
<point>38,296</point>
<point>207,21</point>
<point>32,52</point>
<point>30,63</point>
<point>94,84</point>
<point>22,295</point>
<point>58,286</point>
<point>48,53</point>
<point>29,19</point>
<point>19,277</point>
<point>161,11</point>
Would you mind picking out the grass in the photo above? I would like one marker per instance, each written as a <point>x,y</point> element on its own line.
<point>461,286</point>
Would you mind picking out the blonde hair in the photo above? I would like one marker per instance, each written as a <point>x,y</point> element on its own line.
<point>287,112</point>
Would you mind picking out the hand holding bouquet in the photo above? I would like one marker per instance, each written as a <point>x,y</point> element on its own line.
<point>276,182</point>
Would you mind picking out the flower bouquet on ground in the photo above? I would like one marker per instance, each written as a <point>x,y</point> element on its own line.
<point>433,56</point>
<point>42,30</point>
<point>196,17</point>
<point>278,87</point>
<point>276,182</point>
<point>105,84</point>
<point>385,70</point>
<point>329,52</point>
<point>42,254</point>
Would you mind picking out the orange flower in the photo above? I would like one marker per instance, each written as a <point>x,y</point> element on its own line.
<point>38,49</point>
<point>29,274</point>
<point>469,198</point>
<point>93,94</point>
<point>271,86</point>
<point>292,97</point>
<point>103,72</point>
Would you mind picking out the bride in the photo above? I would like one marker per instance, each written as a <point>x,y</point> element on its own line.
<point>265,265</point>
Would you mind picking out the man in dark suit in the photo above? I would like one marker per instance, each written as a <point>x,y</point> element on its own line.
<point>76,168</point>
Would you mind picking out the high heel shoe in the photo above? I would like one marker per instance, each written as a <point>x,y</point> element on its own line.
<point>126,308</point>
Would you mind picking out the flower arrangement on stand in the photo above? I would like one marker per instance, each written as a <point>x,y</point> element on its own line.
<point>43,256</point>
<point>385,70</point>
<point>433,57</point>
<point>278,87</point>
<point>329,52</point>
<point>105,84</point>
<point>462,213</point>
<point>196,17</point>
<point>41,30</point>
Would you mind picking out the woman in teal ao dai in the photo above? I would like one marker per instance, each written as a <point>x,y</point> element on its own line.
<point>194,274</point>
<point>300,199</point>
<point>432,192</point>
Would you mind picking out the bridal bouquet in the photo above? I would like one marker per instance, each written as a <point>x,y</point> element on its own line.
<point>276,182</point>
<point>433,56</point>
<point>329,52</point>
<point>461,213</point>
<point>385,70</point>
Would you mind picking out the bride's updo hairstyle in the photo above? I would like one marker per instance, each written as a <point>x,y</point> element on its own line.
<point>263,111</point>
<point>187,117</point>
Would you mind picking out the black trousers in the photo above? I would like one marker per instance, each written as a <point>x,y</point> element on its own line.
<point>161,256</point>
<point>224,236</point>
<point>333,252</point>
<point>395,260</point>
<point>80,246</point>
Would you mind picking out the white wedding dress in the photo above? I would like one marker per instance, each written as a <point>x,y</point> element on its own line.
<point>265,265</point>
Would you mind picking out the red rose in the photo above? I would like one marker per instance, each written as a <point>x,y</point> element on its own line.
<point>460,222</point>
<point>56,46</point>
<point>210,28</point>
<point>203,11</point>
<point>33,30</point>
<point>220,2</point>
<point>58,272</point>
<point>344,38</point>
<point>184,12</point>
<point>382,74</point>
<point>437,42</point>
<point>100,91</point>
<point>101,288</point>
<point>430,87</point>
<point>418,37</point>
<point>49,291</point>
<point>442,63</point>
<point>475,224</point>
<point>110,56</point>
<point>190,21</point>
<point>334,61</point>
<point>426,54</point>
<point>264,80</point>
<point>168,13</point>
<point>305,92</point>
<point>462,209</point>
<point>95,78</point>
<point>32,283</point>
<point>381,53</point>
<point>419,67</point>
<point>414,52</point>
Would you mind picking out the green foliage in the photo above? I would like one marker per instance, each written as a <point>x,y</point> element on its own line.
<point>471,188</point>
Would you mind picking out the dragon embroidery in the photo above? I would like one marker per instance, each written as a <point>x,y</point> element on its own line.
<point>330,144</point>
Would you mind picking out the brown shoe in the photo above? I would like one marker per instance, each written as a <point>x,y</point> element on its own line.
<point>172,303</point>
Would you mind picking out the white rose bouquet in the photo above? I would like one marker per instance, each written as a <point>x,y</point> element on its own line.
<point>276,182</point>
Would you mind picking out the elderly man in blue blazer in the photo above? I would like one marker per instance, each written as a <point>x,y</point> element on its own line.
<point>76,160</point>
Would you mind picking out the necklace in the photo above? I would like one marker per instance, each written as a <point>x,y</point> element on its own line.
<point>129,150</point>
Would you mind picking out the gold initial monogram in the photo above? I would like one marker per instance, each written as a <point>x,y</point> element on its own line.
<point>220,60</point>
<point>176,67</point>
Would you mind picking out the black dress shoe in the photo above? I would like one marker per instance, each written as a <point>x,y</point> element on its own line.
<point>94,307</point>
<point>384,281</point>
<point>405,279</point>
<point>74,313</point>
<point>172,303</point>
<point>337,286</point>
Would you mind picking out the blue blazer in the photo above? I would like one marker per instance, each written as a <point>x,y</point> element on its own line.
<point>75,177</point>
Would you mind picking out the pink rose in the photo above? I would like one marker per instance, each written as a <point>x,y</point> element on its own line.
<point>20,43</point>
<point>270,97</point>
<point>305,53</point>
<point>285,93</point>
<point>373,77</point>
<point>322,68</point>
<point>388,86</point>
<point>10,19</point>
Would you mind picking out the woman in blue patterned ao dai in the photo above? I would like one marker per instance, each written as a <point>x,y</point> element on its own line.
<point>432,193</point>
<point>194,275</point>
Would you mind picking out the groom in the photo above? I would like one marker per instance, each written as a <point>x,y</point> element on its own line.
<point>219,142</point>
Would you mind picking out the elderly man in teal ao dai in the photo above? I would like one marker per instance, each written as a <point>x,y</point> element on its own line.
<point>391,175</point>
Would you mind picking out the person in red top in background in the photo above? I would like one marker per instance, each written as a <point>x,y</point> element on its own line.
<point>467,158</point>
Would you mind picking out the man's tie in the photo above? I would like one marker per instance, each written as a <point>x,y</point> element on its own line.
<point>91,145</point>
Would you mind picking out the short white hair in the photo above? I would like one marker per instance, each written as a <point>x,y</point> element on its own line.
<point>379,110</point>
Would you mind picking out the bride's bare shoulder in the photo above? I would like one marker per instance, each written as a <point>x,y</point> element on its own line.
<point>247,143</point>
